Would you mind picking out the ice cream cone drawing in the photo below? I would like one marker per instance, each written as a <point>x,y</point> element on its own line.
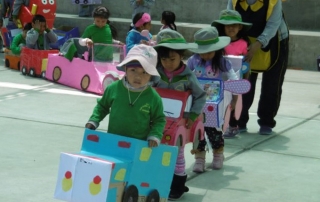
<point>67,181</point>
<point>95,185</point>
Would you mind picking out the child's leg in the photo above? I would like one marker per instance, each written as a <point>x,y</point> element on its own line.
<point>232,129</point>
<point>179,178</point>
<point>200,156</point>
<point>217,146</point>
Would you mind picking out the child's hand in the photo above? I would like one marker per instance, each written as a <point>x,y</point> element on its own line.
<point>89,42</point>
<point>37,24</point>
<point>152,143</point>
<point>90,126</point>
<point>189,123</point>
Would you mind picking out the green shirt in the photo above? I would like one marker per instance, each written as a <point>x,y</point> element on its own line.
<point>144,120</point>
<point>16,44</point>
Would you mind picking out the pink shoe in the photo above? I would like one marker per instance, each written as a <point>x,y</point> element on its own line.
<point>199,165</point>
<point>217,162</point>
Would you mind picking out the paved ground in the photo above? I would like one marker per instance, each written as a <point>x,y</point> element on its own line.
<point>39,119</point>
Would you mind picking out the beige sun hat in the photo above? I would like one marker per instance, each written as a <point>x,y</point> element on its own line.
<point>172,39</point>
<point>208,40</point>
<point>146,55</point>
<point>231,17</point>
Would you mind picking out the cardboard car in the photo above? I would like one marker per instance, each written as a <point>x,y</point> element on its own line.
<point>115,168</point>
<point>92,71</point>
<point>176,106</point>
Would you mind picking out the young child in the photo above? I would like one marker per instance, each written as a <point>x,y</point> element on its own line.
<point>135,108</point>
<point>168,18</point>
<point>230,24</point>
<point>141,6</point>
<point>40,36</point>
<point>19,40</point>
<point>141,21</point>
<point>208,59</point>
<point>175,75</point>
<point>100,31</point>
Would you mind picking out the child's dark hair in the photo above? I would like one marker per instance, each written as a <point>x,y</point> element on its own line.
<point>218,62</point>
<point>101,12</point>
<point>27,26</point>
<point>137,17</point>
<point>164,52</point>
<point>39,18</point>
<point>169,18</point>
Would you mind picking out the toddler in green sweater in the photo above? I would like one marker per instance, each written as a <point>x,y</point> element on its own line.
<point>19,40</point>
<point>134,107</point>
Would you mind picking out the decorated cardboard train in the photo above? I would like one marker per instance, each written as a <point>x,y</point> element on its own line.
<point>177,106</point>
<point>90,70</point>
<point>115,168</point>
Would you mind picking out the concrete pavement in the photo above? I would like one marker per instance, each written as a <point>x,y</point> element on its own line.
<point>40,119</point>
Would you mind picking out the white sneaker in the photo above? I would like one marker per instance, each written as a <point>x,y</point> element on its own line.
<point>217,162</point>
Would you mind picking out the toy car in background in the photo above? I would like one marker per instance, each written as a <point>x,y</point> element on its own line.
<point>12,61</point>
<point>176,106</point>
<point>86,1</point>
<point>47,8</point>
<point>116,169</point>
<point>91,71</point>
<point>64,33</point>
<point>34,62</point>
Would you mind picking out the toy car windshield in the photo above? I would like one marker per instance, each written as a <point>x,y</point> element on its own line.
<point>107,53</point>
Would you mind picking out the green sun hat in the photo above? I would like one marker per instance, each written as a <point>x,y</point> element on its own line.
<point>231,17</point>
<point>172,39</point>
<point>208,40</point>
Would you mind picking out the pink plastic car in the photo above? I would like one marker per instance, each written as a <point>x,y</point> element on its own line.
<point>88,73</point>
<point>176,106</point>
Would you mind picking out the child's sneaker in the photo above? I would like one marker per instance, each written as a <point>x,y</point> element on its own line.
<point>217,162</point>
<point>243,129</point>
<point>231,132</point>
<point>199,165</point>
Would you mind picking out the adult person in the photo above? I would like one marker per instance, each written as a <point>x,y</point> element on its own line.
<point>268,34</point>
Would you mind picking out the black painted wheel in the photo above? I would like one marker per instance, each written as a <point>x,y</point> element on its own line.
<point>18,65</point>
<point>7,63</point>
<point>32,72</point>
<point>24,70</point>
<point>131,194</point>
<point>77,1</point>
<point>43,74</point>
<point>85,1</point>
<point>153,196</point>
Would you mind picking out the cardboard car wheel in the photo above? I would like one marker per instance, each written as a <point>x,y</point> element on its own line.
<point>85,82</point>
<point>43,74</point>
<point>153,196</point>
<point>76,1</point>
<point>18,66</point>
<point>7,63</point>
<point>131,194</point>
<point>56,73</point>
<point>108,79</point>
<point>32,72</point>
<point>24,70</point>
<point>85,1</point>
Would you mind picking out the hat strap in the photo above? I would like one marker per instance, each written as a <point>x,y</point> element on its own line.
<point>207,42</point>
<point>170,40</point>
<point>228,17</point>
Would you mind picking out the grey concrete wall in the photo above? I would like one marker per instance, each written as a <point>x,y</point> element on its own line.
<point>300,14</point>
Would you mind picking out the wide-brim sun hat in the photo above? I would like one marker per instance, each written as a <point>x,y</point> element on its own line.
<point>208,40</point>
<point>172,39</point>
<point>231,17</point>
<point>146,55</point>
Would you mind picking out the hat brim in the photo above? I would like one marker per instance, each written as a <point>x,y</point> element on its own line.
<point>177,46</point>
<point>223,42</point>
<point>246,26</point>
<point>144,63</point>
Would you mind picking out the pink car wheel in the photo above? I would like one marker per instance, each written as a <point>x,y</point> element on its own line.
<point>85,82</point>
<point>108,79</point>
<point>56,73</point>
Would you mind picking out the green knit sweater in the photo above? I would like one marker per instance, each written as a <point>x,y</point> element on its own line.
<point>144,120</point>
<point>15,45</point>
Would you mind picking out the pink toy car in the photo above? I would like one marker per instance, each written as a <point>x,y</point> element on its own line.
<point>88,73</point>
<point>176,107</point>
